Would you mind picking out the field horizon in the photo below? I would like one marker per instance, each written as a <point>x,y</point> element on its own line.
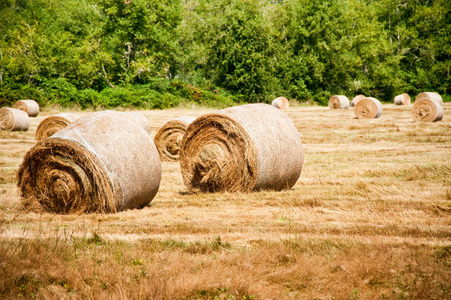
<point>369,218</point>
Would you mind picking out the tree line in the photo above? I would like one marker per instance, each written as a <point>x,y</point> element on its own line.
<point>159,53</point>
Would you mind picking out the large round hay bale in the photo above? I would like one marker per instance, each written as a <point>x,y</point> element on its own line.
<point>339,102</point>
<point>403,99</point>
<point>281,103</point>
<point>31,107</point>
<point>103,162</point>
<point>430,96</point>
<point>368,108</point>
<point>356,99</point>
<point>53,124</point>
<point>242,148</point>
<point>168,139</point>
<point>12,119</point>
<point>425,110</point>
<point>139,119</point>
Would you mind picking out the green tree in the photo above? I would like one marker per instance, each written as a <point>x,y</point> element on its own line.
<point>228,43</point>
<point>141,37</point>
<point>420,30</point>
<point>327,47</point>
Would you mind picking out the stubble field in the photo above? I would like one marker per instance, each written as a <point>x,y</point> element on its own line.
<point>369,218</point>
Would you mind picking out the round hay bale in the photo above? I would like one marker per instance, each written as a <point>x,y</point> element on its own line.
<point>425,110</point>
<point>356,99</point>
<point>53,124</point>
<point>103,162</point>
<point>368,108</point>
<point>242,148</point>
<point>139,119</point>
<point>12,119</point>
<point>168,139</point>
<point>281,103</point>
<point>31,107</point>
<point>403,99</point>
<point>338,102</point>
<point>430,96</point>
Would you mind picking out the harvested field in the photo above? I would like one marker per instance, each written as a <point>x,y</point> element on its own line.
<point>369,218</point>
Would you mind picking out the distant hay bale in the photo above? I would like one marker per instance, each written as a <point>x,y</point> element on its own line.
<point>53,124</point>
<point>368,108</point>
<point>281,103</point>
<point>103,162</point>
<point>139,119</point>
<point>426,110</point>
<point>430,96</point>
<point>31,107</point>
<point>356,99</point>
<point>12,119</point>
<point>242,148</point>
<point>168,139</point>
<point>403,99</point>
<point>339,102</point>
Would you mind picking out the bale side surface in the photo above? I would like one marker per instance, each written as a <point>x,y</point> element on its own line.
<point>139,119</point>
<point>403,99</point>
<point>430,96</point>
<point>243,148</point>
<point>103,162</point>
<point>169,137</point>
<point>31,107</point>
<point>356,99</point>
<point>53,124</point>
<point>368,108</point>
<point>281,103</point>
<point>338,102</point>
<point>12,119</point>
<point>426,110</point>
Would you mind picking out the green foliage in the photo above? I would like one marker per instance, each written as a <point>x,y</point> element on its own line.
<point>10,92</point>
<point>141,37</point>
<point>419,30</point>
<point>229,42</point>
<point>158,54</point>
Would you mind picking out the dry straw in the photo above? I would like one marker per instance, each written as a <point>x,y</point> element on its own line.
<point>103,162</point>
<point>339,102</point>
<point>425,110</point>
<point>356,99</point>
<point>281,103</point>
<point>430,96</point>
<point>243,148</point>
<point>53,124</point>
<point>139,119</point>
<point>12,119</point>
<point>31,107</point>
<point>368,108</point>
<point>403,99</point>
<point>168,139</point>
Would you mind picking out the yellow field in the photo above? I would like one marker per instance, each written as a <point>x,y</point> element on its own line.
<point>369,218</point>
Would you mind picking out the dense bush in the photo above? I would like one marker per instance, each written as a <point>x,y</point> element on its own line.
<point>161,53</point>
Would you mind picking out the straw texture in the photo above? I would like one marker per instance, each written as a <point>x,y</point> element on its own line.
<point>430,96</point>
<point>31,107</point>
<point>139,119</point>
<point>12,119</point>
<point>103,162</point>
<point>243,148</point>
<point>403,99</point>
<point>168,139</point>
<point>425,110</point>
<point>368,108</point>
<point>338,102</point>
<point>281,103</point>
<point>356,99</point>
<point>53,124</point>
